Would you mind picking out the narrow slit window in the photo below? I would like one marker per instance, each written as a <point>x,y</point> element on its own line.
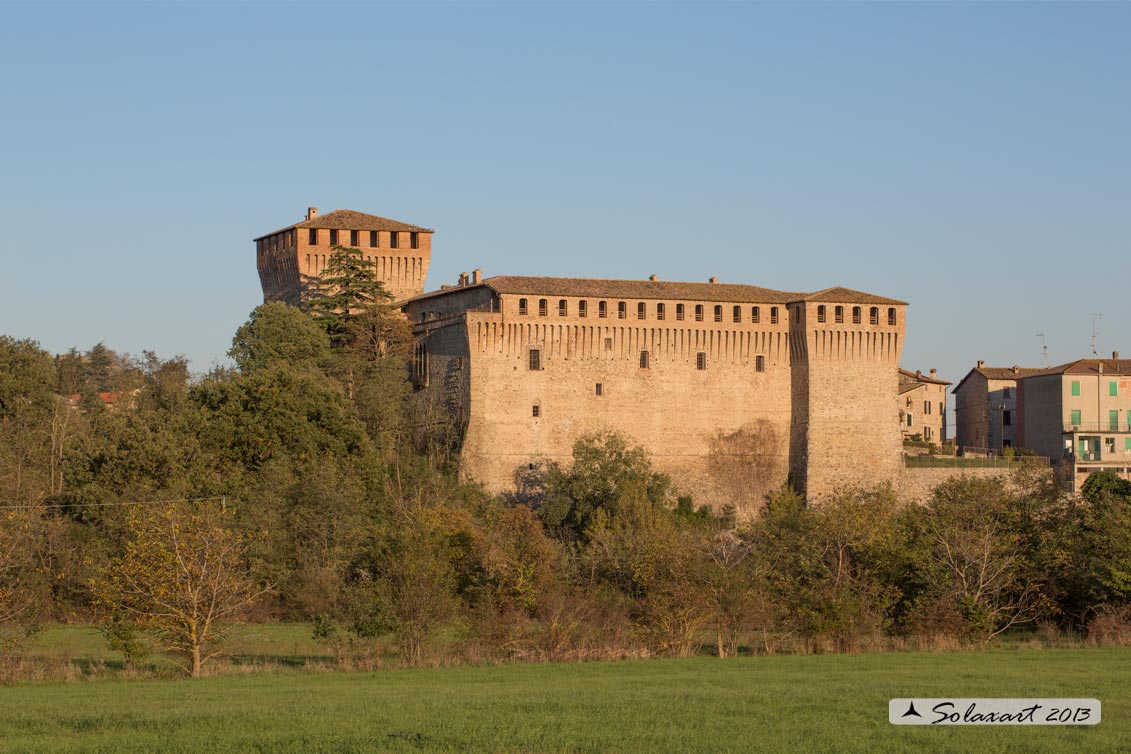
<point>600,389</point>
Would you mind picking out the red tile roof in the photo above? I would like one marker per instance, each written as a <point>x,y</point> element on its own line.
<point>348,219</point>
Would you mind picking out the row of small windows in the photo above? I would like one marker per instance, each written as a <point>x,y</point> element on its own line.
<point>534,361</point>
<point>1112,388</point>
<point>838,315</point>
<point>642,312</point>
<point>374,238</point>
<point>1112,419</point>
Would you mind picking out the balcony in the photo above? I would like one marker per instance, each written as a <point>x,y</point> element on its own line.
<point>1093,428</point>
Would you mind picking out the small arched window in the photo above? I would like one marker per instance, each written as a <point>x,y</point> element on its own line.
<point>645,361</point>
<point>738,314</point>
<point>821,313</point>
<point>679,312</point>
<point>755,314</point>
<point>773,315</point>
<point>640,310</point>
<point>891,316</point>
<point>659,311</point>
<point>622,310</point>
<point>563,308</point>
<point>839,315</point>
<point>698,312</point>
<point>602,309</point>
<point>543,308</point>
<point>874,316</point>
<point>718,313</point>
<point>856,315</point>
<point>583,308</point>
<point>759,363</point>
<point>522,310</point>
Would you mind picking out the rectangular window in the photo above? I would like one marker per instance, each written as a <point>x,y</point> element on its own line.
<point>602,309</point>
<point>1075,387</point>
<point>840,315</point>
<point>644,360</point>
<point>1127,444</point>
<point>679,312</point>
<point>522,306</point>
<point>333,237</point>
<point>718,314</point>
<point>600,389</point>
<point>856,315</point>
<point>660,311</point>
<point>1113,421</point>
<point>535,410</point>
<point>353,238</point>
<point>622,310</point>
<point>543,308</point>
<point>1113,389</point>
<point>1007,418</point>
<point>927,433</point>
<point>759,363</point>
<point>910,421</point>
<point>821,313</point>
<point>698,312</point>
<point>756,314</point>
<point>535,360</point>
<point>394,239</point>
<point>640,310</point>
<point>312,237</point>
<point>700,360</point>
<point>563,308</point>
<point>414,240</point>
<point>942,408</point>
<point>583,308</point>
<point>926,407</point>
<point>738,314</point>
<point>373,239</point>
<point>1075,417</point>
<point>608,344</point>
<point>773,315</point>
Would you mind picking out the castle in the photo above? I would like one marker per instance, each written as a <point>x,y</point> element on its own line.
<point>716,381</point>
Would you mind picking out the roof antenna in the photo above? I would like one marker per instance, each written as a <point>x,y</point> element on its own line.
<point>1095,353</point>
<point>1044,350</point>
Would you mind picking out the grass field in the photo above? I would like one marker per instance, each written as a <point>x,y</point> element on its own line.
<point>772,704</point>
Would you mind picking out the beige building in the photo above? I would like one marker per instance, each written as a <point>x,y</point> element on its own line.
<point>985,407</point>
<point>291,258</point>
<point>1079,413</point>
<point>922,406</point>
<point>699,374</point>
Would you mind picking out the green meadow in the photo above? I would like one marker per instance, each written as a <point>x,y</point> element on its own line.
<point>767,704</point>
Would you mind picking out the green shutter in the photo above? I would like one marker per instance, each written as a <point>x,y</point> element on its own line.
<point>1075,387</point>
<point>1113,389</point>
<point>1113,420</point>
<point>1076,417</point>
<point>1127,443</point>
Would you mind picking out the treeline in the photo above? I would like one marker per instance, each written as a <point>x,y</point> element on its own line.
<point>312,483</point>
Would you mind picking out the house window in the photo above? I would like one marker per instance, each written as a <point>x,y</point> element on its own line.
<point>926,407</point>
<point>312,237</point>
<point>821,313</point>
<point>640,310</point>
<point>856,315</point>
<point>679,312</point>
<point>874,316</point>
<point>840,315</point>
<point>718,313</point>
<point>773,315</point>
<point>563,308</point>
<point>698,312</point>
<point>891,316</point>
<point>926,433</point>
<point>644,361</point>
<point>910,420</point>
<point>535,410</point>
<point>1007,418</point>
<point>700,360</point>
<point>1109,443</point>
<point>522,307</point>
<point>1113,421</point>
<point>756,314</point>
<point>759,363</point>
<point>1005,393</point>
<point>600,389</point>
<point>1113,389</point>
<point>543,308</point>
<point>374,239</point>
<point>394,239</point>
<point>659,311</point>
<point>353,238</point>
<point>942,408</point>
<point>602,309</point>
<point>622,310</point>
<point>414,240</point>
<point>737,314</point>
<point>535,360</point>
<point>583,308</point>
<point>1127,444</point>
<point>1075,387</point>
<point>333,237</point>
<point>1075,417</point>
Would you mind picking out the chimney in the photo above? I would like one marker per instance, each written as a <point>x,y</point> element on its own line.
<point>1115,355</point>
<point>652,278</point>
<point>713,280</point>
<point>981,363</point>
<point>933,373</point>
<point>462,279</point>
<point>311,213</point>
<point>918,374</point>
<point>1016,369</point>
<point>476,276</point>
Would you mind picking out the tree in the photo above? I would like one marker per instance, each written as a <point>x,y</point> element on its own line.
<point>183,575</point>
<point>277,334</point>
<point>23,597</point>
<point>746,463</point>
<point>347,287</point>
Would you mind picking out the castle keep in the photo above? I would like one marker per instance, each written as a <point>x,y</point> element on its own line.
<point>716,381</point>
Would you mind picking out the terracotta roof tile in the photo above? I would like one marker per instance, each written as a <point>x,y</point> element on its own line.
<point>1087,366</point>
<point>838,294</point>
<point>348,219</point>
<point>648,289</point>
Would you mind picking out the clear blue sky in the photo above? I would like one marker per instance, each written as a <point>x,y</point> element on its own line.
<point>972,159</point>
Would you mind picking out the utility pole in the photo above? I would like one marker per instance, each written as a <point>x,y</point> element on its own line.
<point>1095,352</point>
